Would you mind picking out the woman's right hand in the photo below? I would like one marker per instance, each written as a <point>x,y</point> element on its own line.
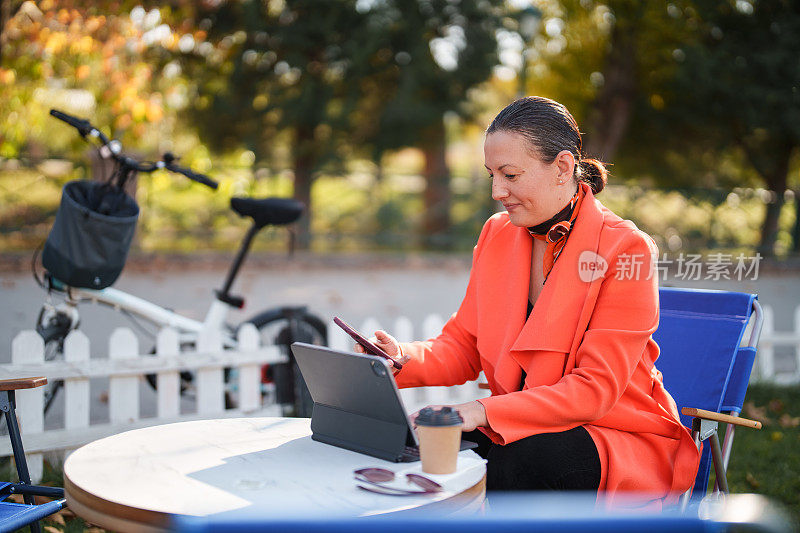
<point>388,344</point>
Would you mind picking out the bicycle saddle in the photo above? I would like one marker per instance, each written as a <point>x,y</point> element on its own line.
<point>266,211</point>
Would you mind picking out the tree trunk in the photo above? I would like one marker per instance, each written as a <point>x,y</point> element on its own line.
<point>796,231</point>
<point>436,221</point>
<point>5,16</point>
<point>379,170</point>
<point>776,183</point>
<point>612,109</point>
<point>303,176</point>
<point>770,158</point>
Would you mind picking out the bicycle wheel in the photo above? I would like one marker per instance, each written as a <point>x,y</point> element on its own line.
<point>187,385</point>
<point>186,378</point>
<point>282,328</point>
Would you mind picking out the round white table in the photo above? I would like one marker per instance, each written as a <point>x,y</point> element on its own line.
<point>135,480</point>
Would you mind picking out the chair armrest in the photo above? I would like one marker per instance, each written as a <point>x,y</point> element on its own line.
<point>719,417</point>
<point>22,383</point>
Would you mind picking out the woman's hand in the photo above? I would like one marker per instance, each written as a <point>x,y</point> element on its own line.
<point>473,413</point>
<point>388,344</point>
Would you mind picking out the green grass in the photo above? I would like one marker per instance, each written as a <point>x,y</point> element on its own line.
<point>767,461</point>
<point>63,521</point>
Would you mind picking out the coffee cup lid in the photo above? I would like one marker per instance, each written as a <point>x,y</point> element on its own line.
<point>446,416</point>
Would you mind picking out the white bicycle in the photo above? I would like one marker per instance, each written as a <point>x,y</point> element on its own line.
<point>279,325</point>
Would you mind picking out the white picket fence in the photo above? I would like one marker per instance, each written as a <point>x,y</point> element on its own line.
<point>767,368</point>
<point>125,367</point>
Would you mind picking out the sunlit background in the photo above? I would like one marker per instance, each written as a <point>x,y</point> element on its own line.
<point>373,111</point>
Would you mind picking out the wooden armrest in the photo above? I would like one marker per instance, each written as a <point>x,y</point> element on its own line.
<point>483,386</point>
<point>719,417</point>
<point>22,383</point>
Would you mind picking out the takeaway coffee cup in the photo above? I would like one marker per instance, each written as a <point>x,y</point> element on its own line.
<point>439,433</point>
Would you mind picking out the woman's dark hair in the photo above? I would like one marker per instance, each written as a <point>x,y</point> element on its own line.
<point>550,128</point>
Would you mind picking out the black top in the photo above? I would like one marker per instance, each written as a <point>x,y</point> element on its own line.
<point>524,374</point>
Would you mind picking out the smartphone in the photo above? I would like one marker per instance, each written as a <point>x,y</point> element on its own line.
<point>368,346</point>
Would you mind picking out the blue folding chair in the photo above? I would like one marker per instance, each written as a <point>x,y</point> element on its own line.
<point>707,369</point>
<point>13,515</point>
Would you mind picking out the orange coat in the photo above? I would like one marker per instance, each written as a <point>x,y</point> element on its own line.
<point>586,348</point>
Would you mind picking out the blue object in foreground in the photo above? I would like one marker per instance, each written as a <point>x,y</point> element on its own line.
<point>14,516</point>
<point>511,513</point>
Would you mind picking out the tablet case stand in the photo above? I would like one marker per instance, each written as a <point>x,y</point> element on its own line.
<point>359,433</point>
<point>357,405</point>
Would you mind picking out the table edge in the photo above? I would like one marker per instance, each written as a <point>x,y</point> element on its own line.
<point>124,518</point>
<point>452,504</point>
<point>112,514</point>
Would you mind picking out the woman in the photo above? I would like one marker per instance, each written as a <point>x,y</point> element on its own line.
<point>558,314</point>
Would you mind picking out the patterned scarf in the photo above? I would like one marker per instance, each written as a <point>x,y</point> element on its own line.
<point>554,232</point>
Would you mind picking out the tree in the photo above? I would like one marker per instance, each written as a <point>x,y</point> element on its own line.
<point>435,52</point>
<point>111,62</point>
<point>696,93</point>
<point>604,59</point>
<point>76,56</point>
<point>285,70</point>
<point>343,77</point>
<point>737,86</point>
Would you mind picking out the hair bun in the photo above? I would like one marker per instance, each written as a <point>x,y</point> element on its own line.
<point>594,173</point>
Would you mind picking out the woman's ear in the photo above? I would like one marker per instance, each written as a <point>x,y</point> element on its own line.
<point>565,162</point>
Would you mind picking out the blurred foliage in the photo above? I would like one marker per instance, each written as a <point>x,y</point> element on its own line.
<point>364,78</point>
<point>358,212</point>
<point>686,93</point>
<point>743,67</point>
<point>697,220</point>
<point>705,73</point>
<point>342,79</point>
<point>602,59</point>
<point>736,85</point>
<point>88,62</point>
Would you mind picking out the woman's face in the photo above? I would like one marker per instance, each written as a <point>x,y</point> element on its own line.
<point>531,190</point>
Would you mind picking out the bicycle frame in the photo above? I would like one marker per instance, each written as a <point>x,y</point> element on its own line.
<point>188,329</point>
<point>55,321</point>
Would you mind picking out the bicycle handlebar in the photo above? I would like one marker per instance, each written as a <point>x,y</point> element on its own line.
<point>85,128</point>
<point>169,164</point>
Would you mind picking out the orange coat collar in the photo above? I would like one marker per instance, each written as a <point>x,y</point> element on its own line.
<point>557,316</point>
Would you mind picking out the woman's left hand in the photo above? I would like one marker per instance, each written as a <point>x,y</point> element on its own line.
<point>473,413</point>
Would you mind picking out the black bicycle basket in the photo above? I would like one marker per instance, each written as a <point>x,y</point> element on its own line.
<point>90,238</point>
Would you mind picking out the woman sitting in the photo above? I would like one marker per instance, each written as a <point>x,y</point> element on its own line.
<point>559,314</point>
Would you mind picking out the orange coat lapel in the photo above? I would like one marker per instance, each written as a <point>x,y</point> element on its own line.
<point>502,299</point>
<point>557,322</point>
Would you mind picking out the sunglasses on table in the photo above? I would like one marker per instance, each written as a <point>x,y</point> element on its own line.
<point>374,477</point>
